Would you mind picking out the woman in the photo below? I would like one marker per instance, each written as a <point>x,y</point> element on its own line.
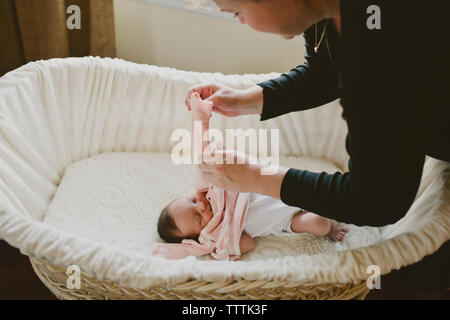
<point>396,110</point>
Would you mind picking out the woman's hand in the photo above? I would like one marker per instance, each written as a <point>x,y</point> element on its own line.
<point>228,101</point>
<point>237,171</point>
<point>230,170</point>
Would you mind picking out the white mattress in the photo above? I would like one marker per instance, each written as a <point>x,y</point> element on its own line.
<point>116,198</point>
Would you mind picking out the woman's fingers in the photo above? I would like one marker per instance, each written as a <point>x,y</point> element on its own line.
<point>226,101</point>
<point>206,92</point>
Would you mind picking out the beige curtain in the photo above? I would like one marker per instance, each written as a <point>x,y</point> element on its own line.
<point>36,29</point>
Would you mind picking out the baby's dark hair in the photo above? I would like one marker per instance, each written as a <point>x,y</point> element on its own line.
<point>167,228</point>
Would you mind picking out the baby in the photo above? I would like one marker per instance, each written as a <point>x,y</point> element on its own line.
<point>184,218</point>
<point>236,218</point>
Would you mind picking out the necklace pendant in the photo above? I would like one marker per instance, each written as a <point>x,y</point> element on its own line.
<point>316,48</point>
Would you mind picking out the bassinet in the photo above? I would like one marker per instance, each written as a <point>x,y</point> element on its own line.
<point>56,112</point>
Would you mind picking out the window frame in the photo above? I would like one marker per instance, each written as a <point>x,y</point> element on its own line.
<point>210,10</point>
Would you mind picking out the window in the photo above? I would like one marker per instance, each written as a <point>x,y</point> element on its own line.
<point>208,7</point>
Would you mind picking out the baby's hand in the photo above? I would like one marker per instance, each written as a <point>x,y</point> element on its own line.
<point>201,108</point>
<point>201,196</point>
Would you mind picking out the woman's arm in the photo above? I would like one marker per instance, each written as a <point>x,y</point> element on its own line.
<point>385,97</point>
<point>385,169</point>
<point>247,243</point>
<point>309,85</point>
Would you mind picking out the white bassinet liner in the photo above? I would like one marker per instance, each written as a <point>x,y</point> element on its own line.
<point>56,112</point>
<point>116,199</point>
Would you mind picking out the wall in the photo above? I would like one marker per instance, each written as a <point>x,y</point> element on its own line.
<point>154,34</point>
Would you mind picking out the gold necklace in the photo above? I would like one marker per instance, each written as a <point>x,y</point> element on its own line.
<point>317,45</point>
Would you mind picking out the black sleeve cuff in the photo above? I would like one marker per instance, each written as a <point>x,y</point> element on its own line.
<point>290,188</point>
<point>269,102</point>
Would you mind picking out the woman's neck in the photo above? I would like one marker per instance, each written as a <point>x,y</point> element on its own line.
<point>328,9</point>
<point>324,9</point>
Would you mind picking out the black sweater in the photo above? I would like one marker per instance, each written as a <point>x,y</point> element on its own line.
<point>395,98</point>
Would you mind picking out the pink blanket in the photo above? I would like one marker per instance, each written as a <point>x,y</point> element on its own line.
<point>222,234</point>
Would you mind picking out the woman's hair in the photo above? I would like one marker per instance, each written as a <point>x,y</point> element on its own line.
<point>167,228</point>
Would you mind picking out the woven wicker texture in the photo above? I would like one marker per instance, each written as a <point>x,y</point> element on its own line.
<point>55,278</point>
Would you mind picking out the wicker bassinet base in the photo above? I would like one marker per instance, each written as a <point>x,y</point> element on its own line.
<point>55,279</point>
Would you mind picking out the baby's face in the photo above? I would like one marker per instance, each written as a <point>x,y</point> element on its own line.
<point>190,214</point>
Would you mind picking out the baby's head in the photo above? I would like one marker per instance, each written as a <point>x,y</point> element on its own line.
<point>184,218</point>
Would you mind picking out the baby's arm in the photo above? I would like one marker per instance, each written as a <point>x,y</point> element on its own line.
<point>201,113</point>
<point>247,243</point>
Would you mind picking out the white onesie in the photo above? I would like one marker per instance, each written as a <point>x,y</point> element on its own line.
<point>267,215</point>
